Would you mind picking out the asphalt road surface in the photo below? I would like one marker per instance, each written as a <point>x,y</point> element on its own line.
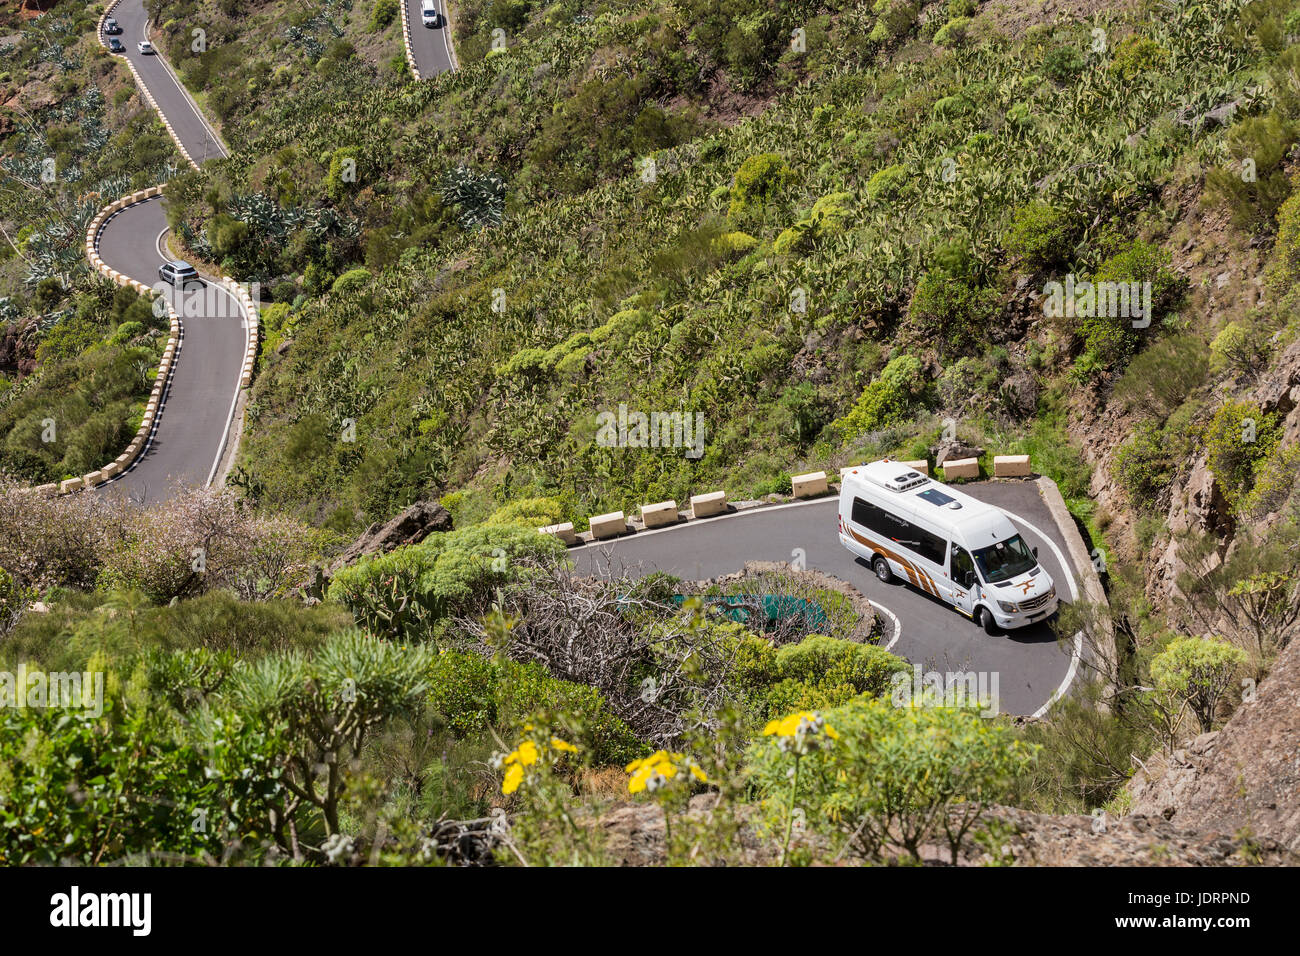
<point>189,434</point>
<point>199,138</point>
<point>431,45</point>
<point>1031,664</point>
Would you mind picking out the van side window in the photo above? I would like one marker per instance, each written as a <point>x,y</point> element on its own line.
<point>961,564</point>
<point>899,530</point>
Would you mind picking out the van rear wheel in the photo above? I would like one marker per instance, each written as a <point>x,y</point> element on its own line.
<point>881,567</point>
<point>984,618</point>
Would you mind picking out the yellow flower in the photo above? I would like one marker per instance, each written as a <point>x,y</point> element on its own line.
<point>651,773</point>
<point>514,777</point>
<point>788,726</point>
<point>526,754</point>
<point>564,745</point>
<point>799,732</point>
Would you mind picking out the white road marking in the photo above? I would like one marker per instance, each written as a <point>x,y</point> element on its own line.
<point>697,522</point>
<point>898,625</point>
<point>230,416</point>
<point>1077,652</point>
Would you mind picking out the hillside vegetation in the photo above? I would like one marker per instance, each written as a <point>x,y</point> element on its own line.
<point>834,231</point>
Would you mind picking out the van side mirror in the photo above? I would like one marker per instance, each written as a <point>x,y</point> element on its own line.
<point>1035,550</point>
<point>968,579</point>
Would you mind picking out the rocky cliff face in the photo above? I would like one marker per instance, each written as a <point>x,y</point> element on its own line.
<point>1243,779</point>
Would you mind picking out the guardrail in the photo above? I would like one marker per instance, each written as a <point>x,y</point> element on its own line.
<point>406,41</point>
<point>664,514</point>
<point>144,90</point>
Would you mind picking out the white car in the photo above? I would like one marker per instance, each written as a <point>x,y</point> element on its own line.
<point>144,46</point>
<point>429,14</point>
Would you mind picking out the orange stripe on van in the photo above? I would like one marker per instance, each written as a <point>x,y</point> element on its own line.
<point>915,575</point>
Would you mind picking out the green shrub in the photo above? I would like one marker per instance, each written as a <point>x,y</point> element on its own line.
<point>1237,439</point>
<point>405,592</point>
<point>760,180</point>
<point>886,400</point>
<point>1239,348</point>
<point>735,244</point>
<point>532,512</point>
<point>382,14</point>
<point>1199,672</point>
<point>895,19</point>
<point>1144,466</point>
<point>1255,185</point>
<point>1109,342</point>
<point>888,182</point>
<point>473,694</point>
<point>954,32</point>
<point>1137,55</point>
<point>350,281</point>
<point>952,311</point>
<point>125,332</point>
<point>1162,376</point>
<point>1042,235</point>
<point>1063,64</point>
<point>891,777</point>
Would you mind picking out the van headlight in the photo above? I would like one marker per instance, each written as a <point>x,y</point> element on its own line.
<point>1009,606</point>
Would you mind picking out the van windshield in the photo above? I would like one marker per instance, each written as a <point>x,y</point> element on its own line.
<point>1005,560</point>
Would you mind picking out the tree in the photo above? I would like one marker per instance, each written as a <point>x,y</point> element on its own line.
<point>307,720</point>
<point>1198,671</point>
<point>897,777</point>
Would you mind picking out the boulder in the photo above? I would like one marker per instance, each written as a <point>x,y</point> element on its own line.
<point>410,526</point>
<point>954,448</point>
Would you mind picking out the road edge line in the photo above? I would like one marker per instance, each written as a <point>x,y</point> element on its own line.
<point>1093,591</point>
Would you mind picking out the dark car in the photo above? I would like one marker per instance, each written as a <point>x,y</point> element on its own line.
<point>115,45</point>
<point>111,27</point>
<point>177,272</point>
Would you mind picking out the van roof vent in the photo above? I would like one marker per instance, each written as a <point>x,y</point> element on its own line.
<point>907,480</point>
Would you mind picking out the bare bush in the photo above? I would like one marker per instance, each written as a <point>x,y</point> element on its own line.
<point>662,669</point>
<point>193,543</point>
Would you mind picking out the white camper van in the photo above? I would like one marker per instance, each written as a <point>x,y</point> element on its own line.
<point>429,15</point>
<point>946,543</point>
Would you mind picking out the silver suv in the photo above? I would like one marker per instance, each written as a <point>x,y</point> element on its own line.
<point>177,272</point>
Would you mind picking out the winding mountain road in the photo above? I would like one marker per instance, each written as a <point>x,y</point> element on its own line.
<point>187,444</point>
<point>189,439</point>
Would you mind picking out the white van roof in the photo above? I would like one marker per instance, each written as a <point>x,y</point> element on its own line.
<point>427,6</point>
<point>974,523</point>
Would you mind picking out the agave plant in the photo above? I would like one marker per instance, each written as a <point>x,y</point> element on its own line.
<point>480,197</point>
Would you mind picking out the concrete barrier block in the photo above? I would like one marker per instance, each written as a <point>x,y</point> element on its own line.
<point>70,485</point>
<point>91,479</point>
<point>110,470</point>
<point>711,503</point>
<point>922,466</point>
<point>47,491</point>
<point>809,485</point>
<point>608,526</point>
<point>563,531</point>
<point>962,468</point>
<point>1011,466</point>
<point>659,514</point>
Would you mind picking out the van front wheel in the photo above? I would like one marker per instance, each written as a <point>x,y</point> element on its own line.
<point>984,618</point>
<point>881,567</point>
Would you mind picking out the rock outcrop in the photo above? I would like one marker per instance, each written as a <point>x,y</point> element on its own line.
<point>410,526</point>
<point>1244,778</point>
